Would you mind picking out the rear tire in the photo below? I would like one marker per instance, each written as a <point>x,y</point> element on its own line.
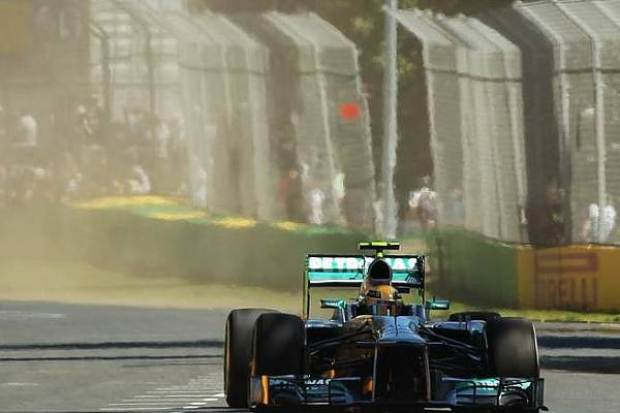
<point>512,348</point>
<point>238,353</point>
<point>278,347</point>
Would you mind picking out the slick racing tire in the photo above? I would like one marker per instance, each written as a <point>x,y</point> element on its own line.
<point>278,347</point>
<point>473,315</point>
<point>512,348</point>
<point>238,354</point>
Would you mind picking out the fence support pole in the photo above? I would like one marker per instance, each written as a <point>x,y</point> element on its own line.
<point>390,119</point>
<point>100,34</point>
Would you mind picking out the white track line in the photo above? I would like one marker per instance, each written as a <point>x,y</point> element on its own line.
<point>177,395</point>
<point>178,391</point>
<point>156,404</point>
<point>124,409</point>
<point>168,400</point>
<point>156,401</point>
<point>197,393</point>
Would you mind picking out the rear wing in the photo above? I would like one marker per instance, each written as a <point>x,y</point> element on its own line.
<point>350,270</point>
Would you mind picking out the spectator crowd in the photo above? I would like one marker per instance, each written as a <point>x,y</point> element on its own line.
<point>80,154</point>
<point>83,155</point>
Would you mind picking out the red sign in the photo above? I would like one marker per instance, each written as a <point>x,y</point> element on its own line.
<point>350,111</point>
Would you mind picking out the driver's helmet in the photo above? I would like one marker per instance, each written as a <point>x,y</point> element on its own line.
<point>380,300</point>
<point>377,296</point>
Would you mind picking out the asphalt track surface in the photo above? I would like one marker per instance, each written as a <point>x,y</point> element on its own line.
<point>72,358</point>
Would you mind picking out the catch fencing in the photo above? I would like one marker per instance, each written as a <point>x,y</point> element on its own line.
<point>264,102</point>
<point>581,147</point>
<point>524,103</point>
<point>43,48</point>
<point>206,76</point>
<point>319,100</point>
<point>473,89</point>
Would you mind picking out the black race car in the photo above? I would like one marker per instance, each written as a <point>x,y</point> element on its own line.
<point>376,351</point>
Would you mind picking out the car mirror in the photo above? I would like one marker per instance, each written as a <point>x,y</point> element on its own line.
<point>333,303</point>
<point>438,304</point>
<point>403,290</point>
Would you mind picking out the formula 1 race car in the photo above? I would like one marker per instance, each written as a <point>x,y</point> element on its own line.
<point>377,351</point>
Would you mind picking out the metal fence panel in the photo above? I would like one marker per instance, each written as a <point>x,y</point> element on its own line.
<point>540,122</point>
<point>249,132</point>
<point>574,97</point>
<point>313,142</point>
<point>351,132</point>
<point>474,99</point>
<point>204,74</point>
<point>208,75</point>
<point>534,129</point>
<point>597,21</point>
<point>446,99</point>
<point>511,162</point>
<point>142,57</point>
<point>309,104</point>
<point>44,55</point>
<point>493,131</point>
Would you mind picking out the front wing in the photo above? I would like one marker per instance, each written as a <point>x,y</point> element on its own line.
<point>456,394</point>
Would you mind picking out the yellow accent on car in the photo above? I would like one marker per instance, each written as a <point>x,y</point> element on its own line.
<point>264,390</point>
<point>367,386</point>
<point>329,374</point>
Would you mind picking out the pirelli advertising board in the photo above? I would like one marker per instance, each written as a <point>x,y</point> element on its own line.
<point>578,277</point>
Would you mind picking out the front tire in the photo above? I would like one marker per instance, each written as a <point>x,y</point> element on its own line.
<point>278,347</point>
<point>238,354</point>
<point>512,348</point>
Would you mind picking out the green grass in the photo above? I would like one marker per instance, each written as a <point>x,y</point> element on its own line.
<point>79,283</point>
<point>50,280</point>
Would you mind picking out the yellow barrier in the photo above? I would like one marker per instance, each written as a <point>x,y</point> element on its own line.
<point>580,277</point>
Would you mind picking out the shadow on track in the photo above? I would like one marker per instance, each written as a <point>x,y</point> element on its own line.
<point>114,345</point>
<point>108,358</point>
<point>584,342</point>
<point>585,364</point>
<point>582,362</point>
<point>197,410</point>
